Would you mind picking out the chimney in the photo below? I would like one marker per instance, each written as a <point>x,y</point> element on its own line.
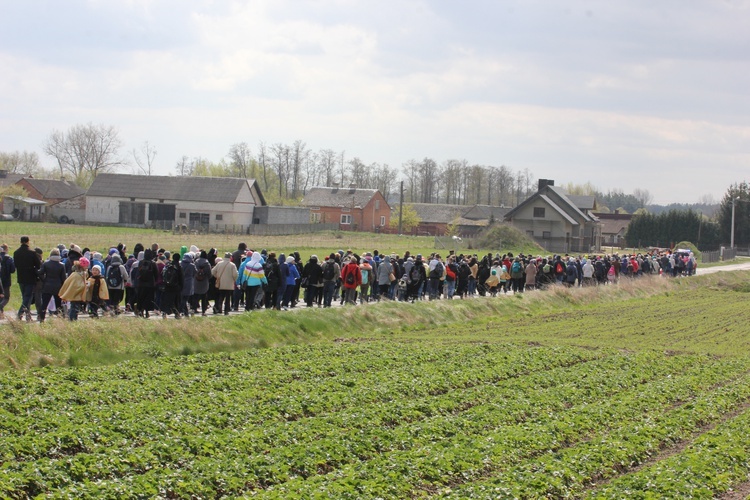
<point>543,183</point>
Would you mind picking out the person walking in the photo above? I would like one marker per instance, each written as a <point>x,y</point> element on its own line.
<point>225,273</point>
<point>351,278</point>
<point>27,263</point>
<point>52,275</point>
<point>7,267</point>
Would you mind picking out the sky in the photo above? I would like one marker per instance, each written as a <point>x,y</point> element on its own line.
<point>625,95</point>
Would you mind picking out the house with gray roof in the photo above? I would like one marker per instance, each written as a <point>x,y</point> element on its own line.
<point>51,191</point>
<point>351,208</point>
<point>206,203</point>
<point>558,222</point>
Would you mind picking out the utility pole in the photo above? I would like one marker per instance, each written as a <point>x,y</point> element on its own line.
<point>401,209</point>
<point>731,238</point>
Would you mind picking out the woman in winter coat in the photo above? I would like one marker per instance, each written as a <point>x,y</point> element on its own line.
<point>188,286</point>
<point>314,275</point>
<point>383,276</point>
<point>170,298</point>
<point>52,275</point>
<point>146,286</point>
<point>292,277</point>
<point>202,279</point>
<point>225,273</point>
<point>273,275</point>
<point>252,279</point>
<point>531,270</point>
<point>116,267</point>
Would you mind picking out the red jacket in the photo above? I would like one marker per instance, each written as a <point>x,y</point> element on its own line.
<point>353,269</point>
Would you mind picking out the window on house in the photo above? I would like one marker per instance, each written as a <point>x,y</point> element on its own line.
<point>377,204</point>
<point>539,212</point>
<point>530,233</point>
<point>183,215</point>
<point>382,220</point>
<point>346,209</point>
<point>546,235</point>
<point>219,216</point>
<point>346,219</point>
<point>315,217</point>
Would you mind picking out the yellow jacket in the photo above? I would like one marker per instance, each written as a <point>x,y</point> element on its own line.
<point>103,290</point>
<point>74,288</point>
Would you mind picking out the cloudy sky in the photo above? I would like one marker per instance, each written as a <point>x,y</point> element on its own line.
<point>622,94</point>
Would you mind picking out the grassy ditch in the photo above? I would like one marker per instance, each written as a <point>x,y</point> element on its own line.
<point>702,314</point>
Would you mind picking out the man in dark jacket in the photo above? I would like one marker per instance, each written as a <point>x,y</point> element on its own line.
<point>7,267</point>
<point>27,263</point>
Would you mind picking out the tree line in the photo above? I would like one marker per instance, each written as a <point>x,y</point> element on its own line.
<point>709,233</point>
<point>285,172</point>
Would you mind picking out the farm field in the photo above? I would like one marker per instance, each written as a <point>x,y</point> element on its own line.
<point>639,391</point>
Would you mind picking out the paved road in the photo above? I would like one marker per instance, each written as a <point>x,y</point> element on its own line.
<point>742,266</point>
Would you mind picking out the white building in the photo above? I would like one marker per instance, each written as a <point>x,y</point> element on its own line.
<point>209,203</point>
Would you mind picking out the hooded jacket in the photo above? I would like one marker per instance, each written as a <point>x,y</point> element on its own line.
<point>252,271</point>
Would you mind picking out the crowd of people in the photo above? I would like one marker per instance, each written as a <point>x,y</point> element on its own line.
<point>153,280</point>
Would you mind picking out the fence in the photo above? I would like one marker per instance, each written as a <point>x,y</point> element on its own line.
<point>719,255</point>
<point>253,229</point>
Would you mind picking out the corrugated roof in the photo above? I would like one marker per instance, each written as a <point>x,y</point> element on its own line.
<point>338,197</point>
<point>162,187</point>
<point>28,201</point>
<point>50,188</point>
<point>438,213</point>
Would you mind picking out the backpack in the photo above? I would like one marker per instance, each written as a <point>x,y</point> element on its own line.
<point>559,268</point>
<point>414,274</point>
<point>450,273</point>
<point>114,276</point>
<point>329,271</point>
<point>201,274</point>
<point>170,275</point>
<point>365,275</point>
<point>270,273</point>
<point>516,267</point>
<point>438,271</point>
<point>350,278</point>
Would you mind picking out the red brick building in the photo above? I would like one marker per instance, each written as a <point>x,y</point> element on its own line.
<point>353,209</point>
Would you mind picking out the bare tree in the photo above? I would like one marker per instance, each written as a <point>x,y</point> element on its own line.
<point>144,159</point>
<point>241,159</point>
<point>281,165</point>
<point>297,156</point>
<point>184,167</point>
<point>264,163</point>
<point>643,196</point>
<point>327,164</point>
<point>25,163</point>
<point>85,151</point>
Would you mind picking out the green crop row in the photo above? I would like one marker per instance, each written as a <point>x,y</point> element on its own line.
<point>357,420</point>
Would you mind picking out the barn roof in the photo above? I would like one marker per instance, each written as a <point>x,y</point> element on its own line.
<point>158,187</point>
